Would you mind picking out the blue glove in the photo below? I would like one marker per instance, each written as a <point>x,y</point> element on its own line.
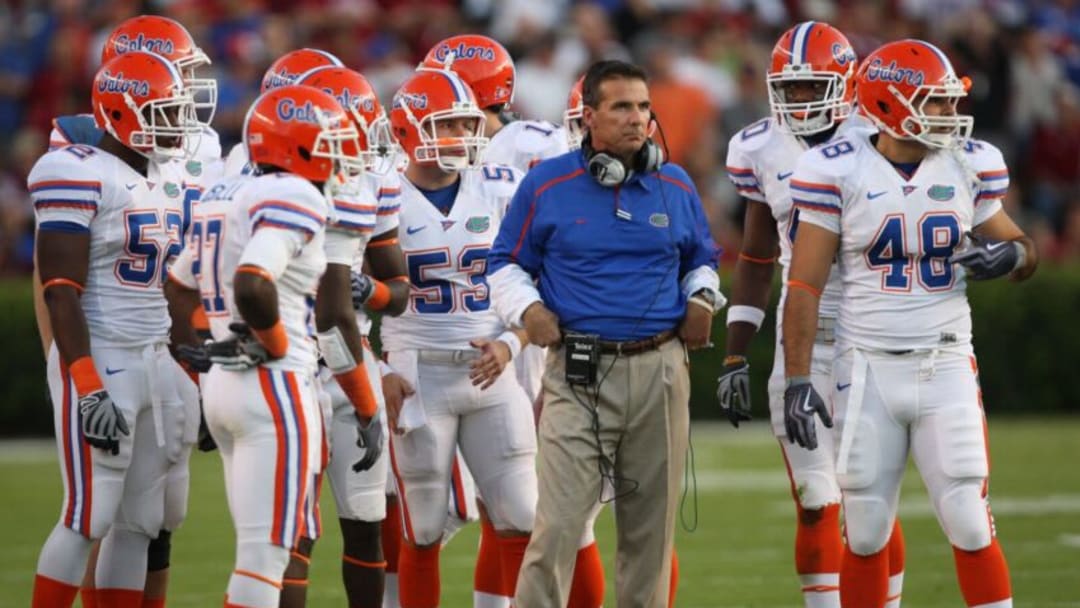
<point>801,402</point>
<point>989,259</point>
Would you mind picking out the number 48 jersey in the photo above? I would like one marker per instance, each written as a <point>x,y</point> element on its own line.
<point>896,234</point>
<point>135,226</point>
<point>446,255</point>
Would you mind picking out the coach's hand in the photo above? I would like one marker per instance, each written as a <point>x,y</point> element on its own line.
<point>541,325</point>
<point>486,369</point>
<point>801,402</point>
<point>102,422</point>
<point>696,326</point>
<point>989,259</point>
<point>395,390</point>
<point>239,353</point>
<point>369,437</point>
<point>733,389</point>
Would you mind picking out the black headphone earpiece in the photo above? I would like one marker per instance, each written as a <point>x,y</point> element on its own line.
<point>610,171</point>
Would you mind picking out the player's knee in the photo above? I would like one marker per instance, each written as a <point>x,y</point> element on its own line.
<point>262,558</point>
<point>176,499</point>
<point>513,507</point>
<point>425,507</point>
<point>867,524</point>
<point>158,552</point>
<point>814,490</point>
<point>362,540</point>
<point>962,510</point>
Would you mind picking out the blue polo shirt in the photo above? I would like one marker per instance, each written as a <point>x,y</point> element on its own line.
<point>598,272</point>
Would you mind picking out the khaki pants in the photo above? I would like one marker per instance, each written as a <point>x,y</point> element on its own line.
<point>644,423</point>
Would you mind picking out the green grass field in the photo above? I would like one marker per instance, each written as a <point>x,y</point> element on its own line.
<point>739,555</point>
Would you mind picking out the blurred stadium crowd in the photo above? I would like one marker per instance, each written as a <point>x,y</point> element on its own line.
<point>706,58</point>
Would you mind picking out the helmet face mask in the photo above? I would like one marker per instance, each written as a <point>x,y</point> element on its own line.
<point>811,55</point>
<point>936,129</point>
<point>169,127</point>
<point>451,153</point>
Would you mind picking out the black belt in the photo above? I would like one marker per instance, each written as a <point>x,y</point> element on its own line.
<point>634,347</point>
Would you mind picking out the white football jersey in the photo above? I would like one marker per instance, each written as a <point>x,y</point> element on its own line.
<point>135,225</point>
<point>898,290</point>
<point>449,303</point>
<point>225,220</point>
<point>236,163</point>
<point>387,206</point>
<point>761,158</point>
<point>523,143</point>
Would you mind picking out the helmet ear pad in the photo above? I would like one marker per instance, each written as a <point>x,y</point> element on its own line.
<point>610,171</point>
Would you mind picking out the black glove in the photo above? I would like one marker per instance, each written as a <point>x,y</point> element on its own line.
<point>989,259</point>
<point>801,402</point>
<point>362,288</point>
<point>102,421</point>
<point>194,357</point>
<point>238,353</point>
<point>733,389</point>
<point>370,439</point>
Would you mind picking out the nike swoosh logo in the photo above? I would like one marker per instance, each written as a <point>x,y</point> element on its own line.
<point>993,246</point>
<point>131,186</point>
<point>783,176</point>
<point>841,387</point>
<point>872,195</point>
<point>806,407</point>
<point>414,229</point>
<point>110,372</point>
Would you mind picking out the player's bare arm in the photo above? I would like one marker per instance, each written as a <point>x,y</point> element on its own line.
<point>64,260</point>
<point>257,301</point>
<point>41,312</point>
<point>1001,227</point>
<point>811,259</point>
<point>183,302</point>
<point>752,281</point>
<point>340,340</point>
<point>387,264</point>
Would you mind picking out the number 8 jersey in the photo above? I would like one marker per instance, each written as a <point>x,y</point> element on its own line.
<point>896,235</point>
<point>135,225</point>
<point>449,303</point>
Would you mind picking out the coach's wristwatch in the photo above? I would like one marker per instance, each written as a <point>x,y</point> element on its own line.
<point>705,297</point>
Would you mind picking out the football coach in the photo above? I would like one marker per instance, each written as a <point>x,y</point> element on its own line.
<point>605,256</point>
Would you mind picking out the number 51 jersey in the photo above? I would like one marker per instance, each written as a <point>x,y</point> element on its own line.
<point>135,226</point>
<point>449,302</point>
<point>896,234</point>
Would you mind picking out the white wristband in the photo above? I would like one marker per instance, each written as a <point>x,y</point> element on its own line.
<point>512,341</point>
<point>747,314</point>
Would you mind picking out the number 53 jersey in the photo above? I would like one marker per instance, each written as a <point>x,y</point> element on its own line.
<point>896,234</point>
<point>135,225</point>
<point>449,302</point>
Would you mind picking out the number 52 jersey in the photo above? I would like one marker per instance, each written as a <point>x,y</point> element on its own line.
<point>135,225</point>
<point>449,302</point>
<point>896,235</point>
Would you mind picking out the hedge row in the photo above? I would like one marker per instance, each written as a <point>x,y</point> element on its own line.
<point>1026,338</point>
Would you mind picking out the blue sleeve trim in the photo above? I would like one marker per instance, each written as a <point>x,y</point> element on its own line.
<point>60,226</point>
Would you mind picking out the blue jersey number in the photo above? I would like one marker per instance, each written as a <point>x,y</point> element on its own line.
<point>939,233</point>
<point>439,296</point>
<point>498,174</point>
<point>146,259</point>
<point>205,239</point>
<point>839,148</point>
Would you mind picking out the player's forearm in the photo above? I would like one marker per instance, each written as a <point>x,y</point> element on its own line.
<point>751,287</point>
<point>41,313</point>
<point>1031,260</point>
<point>387,264</point>
<point>399,296</point>
<point>69,322</point>
<point>799,328</point>
<point>182,304</point>
<point>333,308</point>
<point>256,299</point>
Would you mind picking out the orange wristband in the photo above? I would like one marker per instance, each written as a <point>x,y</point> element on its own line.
<point>382,243</point>
<point>794,284</point>
<point>199,321</point>
<point>255,270</point>
<point>357,387</point>
<point>58,281</point>
<point>380,296</point>
<point>85,376</point>
<point>274,339</point>
<point>749,258</point>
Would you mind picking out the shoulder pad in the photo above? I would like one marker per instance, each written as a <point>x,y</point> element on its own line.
<point>78,129</point>
<point>209,145</point>
<point>836,157</point>
<point>754,136</point>
<point>982,154</point>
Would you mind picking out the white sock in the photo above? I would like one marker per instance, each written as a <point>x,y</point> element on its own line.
<point>821,590</point>
<point>487,600</point>
<point>896,588</point>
